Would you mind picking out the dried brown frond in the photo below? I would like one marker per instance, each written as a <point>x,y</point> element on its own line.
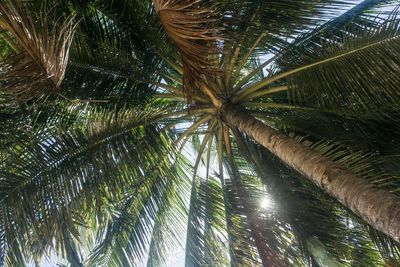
<point>38,67</point>
<point>191,24</point>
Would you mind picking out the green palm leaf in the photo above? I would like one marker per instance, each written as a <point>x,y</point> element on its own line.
<point>99,175</point>
<point>3,241</point>
<point>45,188</point>
<point>351,57</point>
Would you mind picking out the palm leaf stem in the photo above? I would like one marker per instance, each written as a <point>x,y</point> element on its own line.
<point>243,81</point>
<point>248,55</point>
<point>265,92</point>
<point>275,105</point>
<point>232,61</point>
<point>193,128</point>
<point>255,87</point>
<point>195,181</point>
<point>176,67</point>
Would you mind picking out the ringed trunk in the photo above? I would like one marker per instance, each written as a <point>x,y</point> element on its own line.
<point>378,207</point>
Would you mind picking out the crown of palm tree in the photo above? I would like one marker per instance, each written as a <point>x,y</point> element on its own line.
<point>102,180</point>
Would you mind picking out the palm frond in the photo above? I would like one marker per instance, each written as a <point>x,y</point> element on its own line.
<point>108,57</point>
<point>192,26</point>
<point>46,189</point>
<point>38,67</point>
<point>259,29</point>
<point>243,251</point>
<point>194,238</point>
<point>361,70</point>
<point>360,18</point>
<point>305,42</point>
<point>3,241</point>
<point>328,59</point>
<point>170,223</point>
<point>103,185</point>
<point>262,229</point>
<point>206,232</point>
<point>15,255</point>
<point>126,238</point>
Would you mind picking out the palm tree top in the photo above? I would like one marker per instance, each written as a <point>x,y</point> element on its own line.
<point>100,100</point>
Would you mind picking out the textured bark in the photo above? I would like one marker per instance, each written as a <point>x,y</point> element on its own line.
<point>378,207</point>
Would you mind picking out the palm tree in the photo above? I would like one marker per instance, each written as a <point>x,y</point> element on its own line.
<point>91,162</point>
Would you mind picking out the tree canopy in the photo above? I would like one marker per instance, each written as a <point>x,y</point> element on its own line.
<point>115,148</point>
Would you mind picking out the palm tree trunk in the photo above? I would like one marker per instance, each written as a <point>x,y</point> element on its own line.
<point>378,207</point>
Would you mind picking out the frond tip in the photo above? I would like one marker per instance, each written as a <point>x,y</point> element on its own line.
<point>38,65</point>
